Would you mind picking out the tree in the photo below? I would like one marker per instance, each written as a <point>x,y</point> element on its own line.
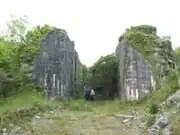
<point>13,46</point>
<point>18,48</point>
<point>35,35</point>
<point>103,75</point>
<point>16,29</point>
<point>177,51</point>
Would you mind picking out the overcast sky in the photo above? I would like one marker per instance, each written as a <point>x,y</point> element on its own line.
<point>95,25</point>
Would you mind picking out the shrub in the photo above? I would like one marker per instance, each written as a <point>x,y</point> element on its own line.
<point>153,108</point>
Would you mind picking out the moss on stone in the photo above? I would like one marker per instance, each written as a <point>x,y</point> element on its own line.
<point>145,40</point>
<point>142,42</point>
<point>148,29</point>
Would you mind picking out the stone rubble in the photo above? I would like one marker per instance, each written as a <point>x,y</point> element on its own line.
<point>162,124</point>
<point>174,100</point>
<point>124,117</point>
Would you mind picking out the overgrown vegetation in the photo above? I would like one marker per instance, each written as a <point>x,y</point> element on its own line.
<point>156,50</point>
<point>19,47</point>
<point>103,76</point>
<point>164,65</point>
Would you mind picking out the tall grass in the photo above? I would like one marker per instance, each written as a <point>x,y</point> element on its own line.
<point>23,99</point>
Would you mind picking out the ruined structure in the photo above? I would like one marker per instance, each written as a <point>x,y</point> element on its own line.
<point>143,61</point>
<point>135,76</point>
<point>56,65</point>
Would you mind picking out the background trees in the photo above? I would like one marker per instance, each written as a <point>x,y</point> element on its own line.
<point>18,48</point>
<point>103,76</point>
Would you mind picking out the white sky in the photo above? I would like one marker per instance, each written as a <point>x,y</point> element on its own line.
<point>95,25</point>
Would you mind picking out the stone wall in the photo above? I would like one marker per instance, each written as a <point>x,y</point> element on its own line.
<point>144,61</point>
<point>78,80</point>
<point>56,65</point>
<point>135,77</point>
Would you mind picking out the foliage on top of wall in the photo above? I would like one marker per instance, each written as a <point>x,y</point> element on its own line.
<point>155,49</point>
<point>144,38</point>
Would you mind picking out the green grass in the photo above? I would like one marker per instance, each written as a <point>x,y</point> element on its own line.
<point>85,117</point>
<point>162,94</point>
<point>106,107</point>
<point>24,99</point>
<point>28,98</point>
<point>176,123</point>
<point>72,113</point>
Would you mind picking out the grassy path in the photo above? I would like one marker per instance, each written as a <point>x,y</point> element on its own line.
<point>88,118</point>
<point>77,117</point>
<point>87,123</point>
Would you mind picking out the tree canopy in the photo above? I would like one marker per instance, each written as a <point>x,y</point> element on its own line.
<point>18,48</point>
<point>103,75</point>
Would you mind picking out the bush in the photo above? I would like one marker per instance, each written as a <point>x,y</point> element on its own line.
<point>153,108</point>
<point>103,76</point>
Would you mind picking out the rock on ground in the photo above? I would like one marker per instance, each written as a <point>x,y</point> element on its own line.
<point>162,125</point>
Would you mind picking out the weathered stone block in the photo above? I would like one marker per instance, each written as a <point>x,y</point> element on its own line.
<point>136,79</point>
<point>55,66</point>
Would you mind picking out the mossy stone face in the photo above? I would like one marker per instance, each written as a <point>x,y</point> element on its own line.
<point>156,50</point>
<point>137,46</point>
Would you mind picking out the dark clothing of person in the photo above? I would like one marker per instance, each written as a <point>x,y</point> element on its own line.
<point>91,97</point>
<point>87,94</point>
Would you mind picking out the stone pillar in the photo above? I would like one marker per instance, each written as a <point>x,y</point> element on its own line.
<point>54,86</point>
<point>58,88</point>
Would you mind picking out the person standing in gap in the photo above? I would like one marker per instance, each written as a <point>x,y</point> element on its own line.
<point>92,94</point>
<point>86,93</point>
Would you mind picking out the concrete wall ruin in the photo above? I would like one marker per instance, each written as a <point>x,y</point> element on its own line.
<point>56,65</point>
<point>134,74</point>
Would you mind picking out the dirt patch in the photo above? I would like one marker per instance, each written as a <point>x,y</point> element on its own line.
<point>87,123</point>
